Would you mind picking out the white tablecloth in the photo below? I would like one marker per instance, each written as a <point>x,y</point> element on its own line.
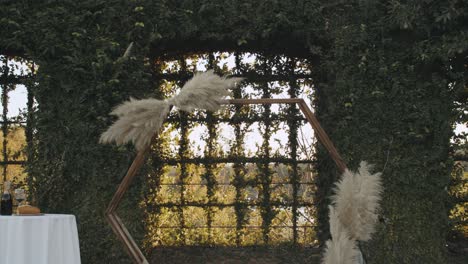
<point>45,239</point>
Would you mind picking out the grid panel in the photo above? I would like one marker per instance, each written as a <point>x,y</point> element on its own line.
<point>247,169</point>
<point>16,79</point>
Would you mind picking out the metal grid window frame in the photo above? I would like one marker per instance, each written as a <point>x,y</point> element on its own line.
<point>260,77</point>
<point>12,74</point>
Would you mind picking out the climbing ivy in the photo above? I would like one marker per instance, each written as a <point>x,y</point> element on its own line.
<point>390,83</point>
<point>395,75</point>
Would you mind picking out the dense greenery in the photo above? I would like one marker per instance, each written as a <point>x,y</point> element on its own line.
<point>234,178</point>
<point>399,74</point>
<point>388,75</point>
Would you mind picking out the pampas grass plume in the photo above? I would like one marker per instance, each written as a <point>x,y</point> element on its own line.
<point>137,123</point>
<point>353,214</point>
<point>204,91</point>
<point>139,120</point>
<point>341,249</point>
<point>357,201</point>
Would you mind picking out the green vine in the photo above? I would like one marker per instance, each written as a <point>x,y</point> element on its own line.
<point>389,80</point>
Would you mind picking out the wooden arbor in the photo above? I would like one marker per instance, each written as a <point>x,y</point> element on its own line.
<point>119,228</point>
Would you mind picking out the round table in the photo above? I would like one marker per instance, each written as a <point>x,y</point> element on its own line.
<point>43,239</point>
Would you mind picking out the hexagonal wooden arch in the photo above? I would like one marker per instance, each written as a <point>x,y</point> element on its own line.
<point>119,228</point>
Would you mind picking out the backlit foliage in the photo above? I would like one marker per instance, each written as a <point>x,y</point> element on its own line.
<point>240,177</point>
<point>15,78</point>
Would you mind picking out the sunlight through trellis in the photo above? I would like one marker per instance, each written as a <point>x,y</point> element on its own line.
<point>241,177</point>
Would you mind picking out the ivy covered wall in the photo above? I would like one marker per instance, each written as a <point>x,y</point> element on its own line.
<point>388,73</point>
<point>395,73</point>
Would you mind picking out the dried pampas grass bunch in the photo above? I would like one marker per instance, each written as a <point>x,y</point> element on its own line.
<point>139,120</point>
<point>342,249</point>
<point>353,214</point>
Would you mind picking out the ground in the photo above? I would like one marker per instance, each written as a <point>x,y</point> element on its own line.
<point>232,255</point>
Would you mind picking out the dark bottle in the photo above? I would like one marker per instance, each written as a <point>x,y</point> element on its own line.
<point>6,207</point>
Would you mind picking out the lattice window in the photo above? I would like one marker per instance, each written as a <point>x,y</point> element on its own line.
<point>239,177</point>
<point>16,79</point>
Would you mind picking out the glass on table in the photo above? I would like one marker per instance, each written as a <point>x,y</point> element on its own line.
<point>20,196</point>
